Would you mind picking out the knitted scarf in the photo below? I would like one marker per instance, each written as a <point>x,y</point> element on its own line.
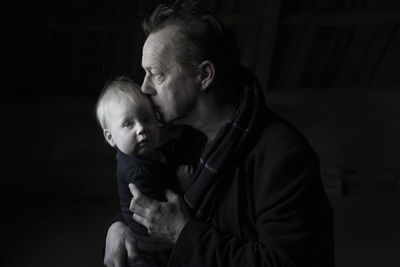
<point>227,148</point>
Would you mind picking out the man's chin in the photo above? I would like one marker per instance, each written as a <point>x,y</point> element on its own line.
<point>164,120</point>
<point>159,116</point>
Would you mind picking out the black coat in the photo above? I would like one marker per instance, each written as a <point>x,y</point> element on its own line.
<point>264,206</point>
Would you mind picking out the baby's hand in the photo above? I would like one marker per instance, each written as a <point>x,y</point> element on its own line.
<point>183,174</point>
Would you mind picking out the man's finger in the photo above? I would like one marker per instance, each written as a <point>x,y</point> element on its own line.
<point>137,218</point>
<point>135,207</point>
<point>142,199</point>
<point>139,202</point>
<point>134,191</point>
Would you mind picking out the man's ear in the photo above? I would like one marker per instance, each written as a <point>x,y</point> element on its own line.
<point>108,137</point>
<point>207,74</point>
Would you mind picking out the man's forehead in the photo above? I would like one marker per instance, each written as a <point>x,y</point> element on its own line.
<point>158,45</point>
<point>154,47</point>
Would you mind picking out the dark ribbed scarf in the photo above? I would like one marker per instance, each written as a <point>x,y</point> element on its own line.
<point>227,148</point>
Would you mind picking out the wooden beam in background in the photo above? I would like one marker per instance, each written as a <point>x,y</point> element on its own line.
<point>299,62</point>
<point>269,12</point>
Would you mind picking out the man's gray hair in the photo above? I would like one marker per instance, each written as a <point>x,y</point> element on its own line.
<point>200,36</point>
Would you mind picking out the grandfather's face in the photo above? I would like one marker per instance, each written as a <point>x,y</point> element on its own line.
<point>174,90</point>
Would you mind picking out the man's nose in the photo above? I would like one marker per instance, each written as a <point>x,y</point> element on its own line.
<point>147,87</point>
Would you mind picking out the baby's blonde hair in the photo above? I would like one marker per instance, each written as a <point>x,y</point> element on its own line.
<point>122,89</point>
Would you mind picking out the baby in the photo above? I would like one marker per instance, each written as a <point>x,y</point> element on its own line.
<point>130,125</point>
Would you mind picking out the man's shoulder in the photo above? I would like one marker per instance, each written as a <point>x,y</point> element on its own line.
<point>277,135</point>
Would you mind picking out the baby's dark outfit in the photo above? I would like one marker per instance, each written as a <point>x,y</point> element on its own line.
<point>151,177</point>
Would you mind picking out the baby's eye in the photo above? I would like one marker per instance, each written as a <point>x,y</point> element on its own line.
<point>128,124</point>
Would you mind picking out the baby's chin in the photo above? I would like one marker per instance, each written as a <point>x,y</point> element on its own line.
<point>147,151</point>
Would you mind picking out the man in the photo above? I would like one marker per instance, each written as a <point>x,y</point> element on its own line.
<point>256,198</point>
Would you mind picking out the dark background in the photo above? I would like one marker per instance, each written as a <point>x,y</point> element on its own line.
<point>332,68</point>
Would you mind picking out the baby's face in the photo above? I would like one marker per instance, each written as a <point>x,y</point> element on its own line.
<point>133,127</point>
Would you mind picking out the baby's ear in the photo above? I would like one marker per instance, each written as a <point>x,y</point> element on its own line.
<point>108,137</point>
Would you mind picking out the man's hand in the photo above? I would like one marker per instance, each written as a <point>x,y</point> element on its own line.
<point>164,220</point>
<point>119,243</point>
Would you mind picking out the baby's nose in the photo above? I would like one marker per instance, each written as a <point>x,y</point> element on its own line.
<point>140,137</point>
<point>139,128</point>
